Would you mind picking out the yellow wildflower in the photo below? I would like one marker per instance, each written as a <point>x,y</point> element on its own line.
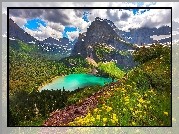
<point>98,117</point>
<point>126,102</point>
<point>113,121</point>
<point>126,99</point>
<point>109,109</point>
<point>124,109</point>
<point>151,91</point>
<point>77,118</point>
<point>123,90</point>
<point>100,110</point>
<point>141,100</point>
<point>114,115</point>
<point>88,115</point>
<point>133,113</point>
<point>70,123</point>
<point>87,120</point>
<point>136,112</point>
<point>129,86</point>
<point>145,95</point>
<point>92,119</point>
<point>166,113</point>
<point>139,105</point>
<point>135,93</point>
<point>95,110</point>
<point>131,109</point>
<point>104,120</point>
<point>133,123</point>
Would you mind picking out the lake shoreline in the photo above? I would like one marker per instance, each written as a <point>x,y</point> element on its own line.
<point>56,77</point>
<point>51,81</point>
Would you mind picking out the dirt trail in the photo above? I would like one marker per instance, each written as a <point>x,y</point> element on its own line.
<point>68,114</point>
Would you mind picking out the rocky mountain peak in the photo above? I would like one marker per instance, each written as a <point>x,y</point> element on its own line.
<point>101,43</point>
<point>99,31</point>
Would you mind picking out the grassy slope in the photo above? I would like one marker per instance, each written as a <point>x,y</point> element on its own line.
<point>142,99</point>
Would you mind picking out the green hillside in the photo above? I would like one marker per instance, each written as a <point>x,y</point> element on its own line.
<point>142,99</point>
<point>142,96</point>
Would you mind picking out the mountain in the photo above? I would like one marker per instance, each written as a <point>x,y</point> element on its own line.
<point>16,32</point>
<point>103,34</point>
<point>63,46</point>
<point>100,32</point>
<point>143,34</point>
<point>102,43</point>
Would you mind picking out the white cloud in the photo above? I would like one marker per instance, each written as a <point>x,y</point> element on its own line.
<point>72,35</point>
<point>19,21</point>
<point>152,18</point>
<point>134,21</point>
<point>76,21</point>
<point>55,26</point>
<point>44,32</point>
<point>98,13</point>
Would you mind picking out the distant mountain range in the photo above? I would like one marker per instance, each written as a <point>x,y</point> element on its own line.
<point>49,45</point>
<point>143,34</point>
<point>100,31</point>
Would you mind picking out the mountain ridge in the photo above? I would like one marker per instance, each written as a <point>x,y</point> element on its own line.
<point>49,45</point>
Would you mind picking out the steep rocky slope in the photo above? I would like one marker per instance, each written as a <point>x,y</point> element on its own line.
<point>101,35</point>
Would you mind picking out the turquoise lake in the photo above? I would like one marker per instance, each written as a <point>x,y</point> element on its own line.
<point>73,81</point>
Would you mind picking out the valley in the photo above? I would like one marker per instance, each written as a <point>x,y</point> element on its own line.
<point>138,92</point>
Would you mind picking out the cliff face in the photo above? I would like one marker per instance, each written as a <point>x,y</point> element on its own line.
<point>16,32</point>
<point>100,35</point>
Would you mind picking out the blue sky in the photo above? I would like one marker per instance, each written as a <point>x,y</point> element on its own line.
<point>85,16</point>
<point>68,29</point>
<point>34,24</point>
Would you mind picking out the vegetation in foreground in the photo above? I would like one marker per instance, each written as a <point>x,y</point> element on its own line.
<point>142,99</point>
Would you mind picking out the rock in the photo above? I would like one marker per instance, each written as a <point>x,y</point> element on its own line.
<point>101,33</point>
